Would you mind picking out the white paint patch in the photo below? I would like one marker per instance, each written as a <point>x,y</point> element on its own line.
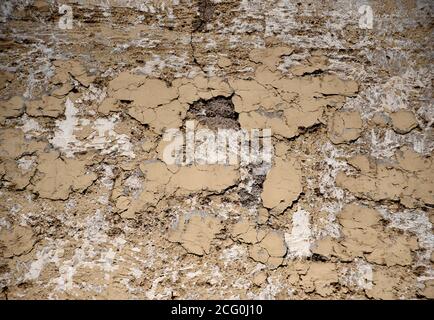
<point>30,125</point>
<point>194,274</point>
<point>156,66</point>
<point>332,195</point>
<point>47,254</point>
<point>360,275</point>
<point>107,140</point>
<point>383,144</point>
<point>241,283</point>
<point>4,224</point>
<point>133,182</point>
<point>136,272</point>
<point>107,178</point>
<point>94,94</point>
<point>104,137</point>
<point>236,252</point>
<point>26,163</point>
<point>299,241</point>
<point>415,222</point>
<point>42,70</point>
<point>383,148</point>
<point>64,137</point>
<point>152,293</point>
<point>216,277</point>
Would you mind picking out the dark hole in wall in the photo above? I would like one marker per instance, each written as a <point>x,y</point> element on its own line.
<point>206,11</point>
<point>216,113</point>
<point>252,198</point>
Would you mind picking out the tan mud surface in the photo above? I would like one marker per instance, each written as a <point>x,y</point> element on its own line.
<point>91,208</point>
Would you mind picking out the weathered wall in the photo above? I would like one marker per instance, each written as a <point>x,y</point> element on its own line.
<point>89,208</point>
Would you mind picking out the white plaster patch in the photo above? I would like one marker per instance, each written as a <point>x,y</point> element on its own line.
<point>332,195</point>
<point>156,65</point>
<point>234,253</point>
<point>360,276</point>
<point>64,137</point>
<point>299,240</point>
<point>30,125</point>
<point>413,221</point>
<point>26,163</point>
<point>104,137</point>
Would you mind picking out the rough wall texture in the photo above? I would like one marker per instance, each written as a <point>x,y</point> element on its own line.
<point>90,209</point>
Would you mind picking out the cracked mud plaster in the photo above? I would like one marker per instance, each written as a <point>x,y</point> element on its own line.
<point>267,246</point>
<point>16,241</point>
<point>90,209</point>
<point>160,182</point>
<point>196,234</point>
<point>282,185</point>
<point>362,237</point>
<point>403,121</point>
<point>61,177</point>
<point>408,180</point>
<point>345,127</point>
